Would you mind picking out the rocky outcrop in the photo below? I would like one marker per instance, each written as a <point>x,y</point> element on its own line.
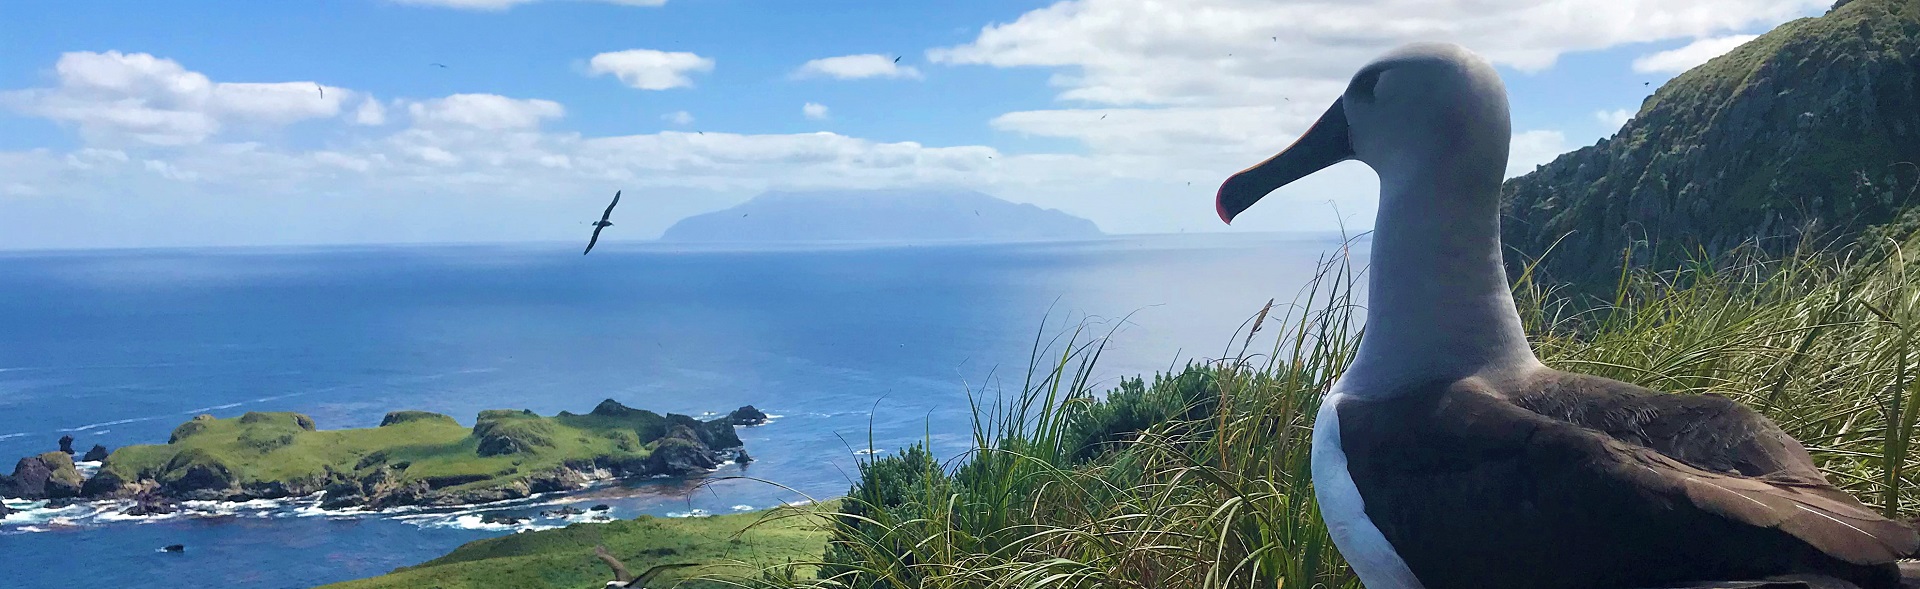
<point>96,454</point>
<point>188,429</point>
<point>1814,126</point>
<point>66,445</point>
<point>747,416</point>
<point>47,476</point>
<point>399,417</point>
<point>5,511</point>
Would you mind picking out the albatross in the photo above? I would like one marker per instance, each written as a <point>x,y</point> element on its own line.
<point>625,579</point>
<point>1448,456</point>
<point>603,223</point>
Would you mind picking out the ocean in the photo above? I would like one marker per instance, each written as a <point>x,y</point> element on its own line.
<point>855,350</point>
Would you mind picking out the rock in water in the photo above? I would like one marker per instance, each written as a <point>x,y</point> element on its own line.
<point>66,444</point>
<point>174,548</point>
<point>47,476</point>
<point>503,519</point>
<point>600,507</point>
<point>98,453</point>
<point>561,512</point>
<point>4,511</point>
<point>747,416</point>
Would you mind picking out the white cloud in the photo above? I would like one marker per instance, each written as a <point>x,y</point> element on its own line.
<point>1685,58</point>
<point>1240,52</point>
<point>370,113</point>
<point>854,67</point>
<point>116,97</point>
<point>648,69</point>
<point>1532,149</point>
<point>484,111</point>
<point>1614,119</point>
<point>678,117</point>
<point>814,110</point>
<point>497,5</point>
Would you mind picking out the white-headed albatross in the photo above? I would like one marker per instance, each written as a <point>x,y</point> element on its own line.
<point>1447,456</point>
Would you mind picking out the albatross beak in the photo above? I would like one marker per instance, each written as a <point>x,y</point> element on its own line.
<point>1324,144</point>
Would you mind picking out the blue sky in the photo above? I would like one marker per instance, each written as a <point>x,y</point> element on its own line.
<point>204,123</point>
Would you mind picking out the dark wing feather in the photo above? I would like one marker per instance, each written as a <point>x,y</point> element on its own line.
<point>609,213</point>
<point>647,577</point>
<point>1474,488</point>
<point>594,240</point>
<point>620,572</point>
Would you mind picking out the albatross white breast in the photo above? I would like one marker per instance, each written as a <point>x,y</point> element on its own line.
<point>1448,456</point>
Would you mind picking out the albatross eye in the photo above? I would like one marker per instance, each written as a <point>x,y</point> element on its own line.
<point>1364,82</point>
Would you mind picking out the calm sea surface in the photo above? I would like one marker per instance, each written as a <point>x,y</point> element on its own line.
<point>118,347</point>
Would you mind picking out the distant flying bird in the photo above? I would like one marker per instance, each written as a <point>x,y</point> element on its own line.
<point>624,579</point>
<point>603,223</point>
<point>438,65</point>
<point>896,58</point>
<point>322,89</point>
<point>1103,117</point>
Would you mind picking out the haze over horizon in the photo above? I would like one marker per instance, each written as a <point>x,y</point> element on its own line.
<point>134,125</point>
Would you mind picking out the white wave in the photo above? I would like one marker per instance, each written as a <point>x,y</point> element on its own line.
<point>107,423</point>
<point>868,452</point>
<point>213,408</point>
<point>12,436</point>
<point>743,508</point>
<point>690,513</point>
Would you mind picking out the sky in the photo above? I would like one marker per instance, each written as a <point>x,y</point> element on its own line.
<point>148,124</point>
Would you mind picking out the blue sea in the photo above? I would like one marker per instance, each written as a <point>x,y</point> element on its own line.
<point>842,345</point>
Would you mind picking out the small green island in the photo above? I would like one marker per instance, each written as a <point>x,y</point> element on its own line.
<point>411,458</point>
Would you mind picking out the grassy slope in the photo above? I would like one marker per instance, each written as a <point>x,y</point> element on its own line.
<point>261,447</point>
<point>563,558</point>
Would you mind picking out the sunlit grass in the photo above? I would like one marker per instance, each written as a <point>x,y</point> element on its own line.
<point>1200,478</point>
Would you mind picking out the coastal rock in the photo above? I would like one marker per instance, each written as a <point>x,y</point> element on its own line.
<point>502,519</point>
<point>504,432</point>
<point>741,457</point>
<point>147,502</point>
<point>104,484</point>
<point>97,454</point>
<point>5,511</point>
<point>566,511</point>
<point>747,416</point>
<point>559,479</point>
<point>47,476</point>
<point>66,445</point>
<point>197,473</point>
<point>679,456</point>
<point>174,548</point>
<point>600,507</point>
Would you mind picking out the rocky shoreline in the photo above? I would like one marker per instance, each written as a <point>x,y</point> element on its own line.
<point>379,480</point>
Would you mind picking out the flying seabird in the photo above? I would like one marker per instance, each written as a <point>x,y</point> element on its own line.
<point>322,89</point>
<point>1448,456</point>
<point>603,223</point>
<point>624,579</point>
<point>438,65</point>
<point>896,58</point>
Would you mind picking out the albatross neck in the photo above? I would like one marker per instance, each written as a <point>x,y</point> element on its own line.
<point>1439,307</point>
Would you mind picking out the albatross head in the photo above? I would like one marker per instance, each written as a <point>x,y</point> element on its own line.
<point>1417,108</point>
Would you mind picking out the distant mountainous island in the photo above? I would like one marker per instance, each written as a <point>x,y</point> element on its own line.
<point>1814,124</point>
<point>880,215</point>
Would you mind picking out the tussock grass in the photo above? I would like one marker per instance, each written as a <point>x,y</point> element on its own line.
<point>1199,478</point>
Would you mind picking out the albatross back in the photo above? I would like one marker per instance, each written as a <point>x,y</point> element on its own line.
<point>1577,481</point>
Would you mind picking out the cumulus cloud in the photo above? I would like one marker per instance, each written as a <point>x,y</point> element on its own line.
<point>1614,119</point>
<point>854,67</point>
<point>678,117</point>
<point>1685,58</point>
<point>1238,52</point>
<point>497,5</point>
<point>116,97</point>
<point>1532,149</point>
<point>370,113</point>
<point>484,111</point>
<point>648,69</point>
<point>814,110</point>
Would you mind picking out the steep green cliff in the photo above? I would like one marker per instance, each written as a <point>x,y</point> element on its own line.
<point>1814,124</point>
